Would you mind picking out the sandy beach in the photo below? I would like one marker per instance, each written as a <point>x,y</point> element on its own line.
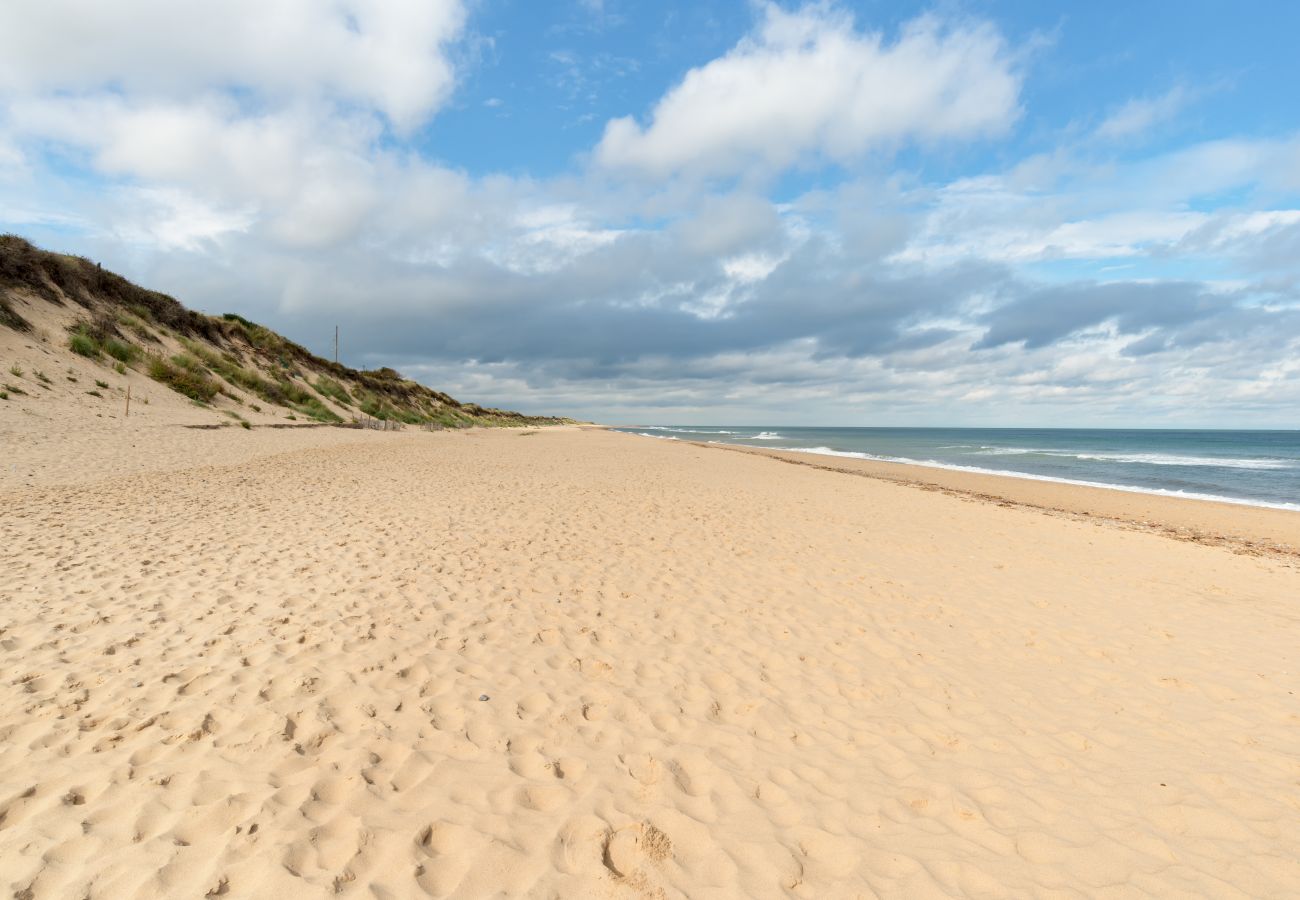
<point>573,663</point>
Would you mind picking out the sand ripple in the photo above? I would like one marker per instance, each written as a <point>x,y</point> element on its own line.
<point>706,675</point>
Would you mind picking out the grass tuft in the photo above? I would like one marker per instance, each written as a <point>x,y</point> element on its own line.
<point>83,345</point>
<point>332,389</point>
<point>181,377</point>
<point>120,350</point>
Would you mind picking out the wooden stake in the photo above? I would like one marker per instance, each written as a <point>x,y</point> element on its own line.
<point>128,401</point>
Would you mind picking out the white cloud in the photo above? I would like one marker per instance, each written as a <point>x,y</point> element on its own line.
<point>382,54</point>
<point>807,83</point>
<point>1141,114</point>
<point>239,112</point>
<point>1121,234</point>
<point>173,220</point>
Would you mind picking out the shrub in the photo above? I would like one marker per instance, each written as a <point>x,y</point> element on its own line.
<point>16,370</point>
<point>119,350</point>
<point>184,380</point>
<point>95,394</point>
<point>119,368</point>
<point>100,384</point>
<point>84,345</point>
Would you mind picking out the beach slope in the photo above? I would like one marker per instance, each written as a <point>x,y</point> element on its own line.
<point>567,663</point>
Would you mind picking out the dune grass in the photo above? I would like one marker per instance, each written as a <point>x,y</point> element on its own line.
<point>84,345</point>
<point>180,374</point>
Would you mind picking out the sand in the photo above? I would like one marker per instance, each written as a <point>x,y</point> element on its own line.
<point>582,664</point>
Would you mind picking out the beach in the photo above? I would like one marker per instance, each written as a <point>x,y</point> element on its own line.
<point>564,662</point>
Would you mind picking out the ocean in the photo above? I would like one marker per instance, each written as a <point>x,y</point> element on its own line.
<point>1259,468</point>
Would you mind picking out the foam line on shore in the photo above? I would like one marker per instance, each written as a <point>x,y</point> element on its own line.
<point>1006,473</point>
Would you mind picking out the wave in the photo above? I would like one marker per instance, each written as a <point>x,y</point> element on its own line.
<point>763,436</point>
<point>1149,459</point>
<point>1007,473</point>
<point>689,430</point>
<point>1164,459</point>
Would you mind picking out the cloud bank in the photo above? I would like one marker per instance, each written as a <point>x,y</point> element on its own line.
<point>663,276</point>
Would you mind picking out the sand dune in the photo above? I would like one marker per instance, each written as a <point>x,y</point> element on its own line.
<point>583,664</point>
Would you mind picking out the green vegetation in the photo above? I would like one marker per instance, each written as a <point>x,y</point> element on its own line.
<point>101,384</point>
<point>120,350</point>
<point>119,368</point>
<point>332,389</point>
<point>84,345</point>
<point>282,392</point>
<point>15,390</point>
<point>41,377</point>
<point>16,370</point>
<point>90,339</point>
<point>182,378</point>
<point>95,394</point>
<point>137,325</point>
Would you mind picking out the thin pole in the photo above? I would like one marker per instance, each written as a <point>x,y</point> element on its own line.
<point>128,402</point>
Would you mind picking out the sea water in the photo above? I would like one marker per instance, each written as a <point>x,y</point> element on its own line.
<point>1260,468</point>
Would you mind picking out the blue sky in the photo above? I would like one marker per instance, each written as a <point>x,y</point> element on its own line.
<point>832,213</point>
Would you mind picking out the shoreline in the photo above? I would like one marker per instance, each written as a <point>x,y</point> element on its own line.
<point>1242,527</point>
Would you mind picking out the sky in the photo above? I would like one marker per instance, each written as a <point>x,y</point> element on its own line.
<point>952,213</point>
